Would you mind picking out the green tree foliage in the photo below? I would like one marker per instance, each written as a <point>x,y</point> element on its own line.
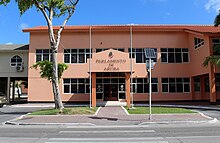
<point>51,9</point>
<point>4,2</point>
<point>46,68</point>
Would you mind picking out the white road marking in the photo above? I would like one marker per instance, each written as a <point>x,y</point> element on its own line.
<point>107,131</point>
<point>97,127</point>
<point>119,142</point>
<point>192,137</point>
<point>107,139</point>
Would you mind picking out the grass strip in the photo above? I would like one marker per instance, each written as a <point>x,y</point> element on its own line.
<point>159,110</point>
<point>67,111</point>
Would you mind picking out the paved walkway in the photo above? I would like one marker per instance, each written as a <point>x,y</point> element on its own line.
<point>111,111</point>
<point>110,116</point>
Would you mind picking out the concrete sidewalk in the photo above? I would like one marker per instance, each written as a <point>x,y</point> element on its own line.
<point>110,116</point>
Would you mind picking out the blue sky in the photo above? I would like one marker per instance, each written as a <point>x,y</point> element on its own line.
<point>98,12</point>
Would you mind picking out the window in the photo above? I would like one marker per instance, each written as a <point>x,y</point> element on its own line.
<point>43,55</point>
<point>216,46</point>
<point>76,85</point>
<point>16,61</point>
<point>139,55</point>
<point>175,85</point>
<point>207,89</point>
<point>140,85</point>
<point>198,42</point>
<point>217,80</point>
<point>100,50</point>
<point>76,55</point>
<point>174,55</point>
<point>197,84</point>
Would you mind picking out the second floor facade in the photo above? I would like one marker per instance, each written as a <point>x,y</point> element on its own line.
<point>180,50</point>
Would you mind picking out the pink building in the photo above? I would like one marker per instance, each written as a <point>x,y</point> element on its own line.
<point>178,73</point>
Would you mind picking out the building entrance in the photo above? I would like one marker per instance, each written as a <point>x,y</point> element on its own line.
<point>110,87</point>
<point>111,92</point>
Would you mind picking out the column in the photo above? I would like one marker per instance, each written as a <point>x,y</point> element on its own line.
<point>212,85</point>
<point>8,89</point>
<point>13,91</point>
<point>192,88</point>
<point>93,89</point>
<point>128,87</point>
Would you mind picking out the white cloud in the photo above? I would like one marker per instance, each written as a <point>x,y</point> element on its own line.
<point>9,43</point>
<point>167,14</point>
<point>23,25</point>
<point>213,4</point>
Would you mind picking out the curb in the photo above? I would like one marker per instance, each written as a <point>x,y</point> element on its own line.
<point>125,110</point>
<point>96,113</point>
<point>182,106</point>
<point>69,124</point>
<point>179,122</point>
<point>10,122</point>
<point>206,116</point>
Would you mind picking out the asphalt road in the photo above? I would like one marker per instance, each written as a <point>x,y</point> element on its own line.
<point>10,112</point>
<point>155,133</point>
<point>210,113</point>
<point>183,133</point>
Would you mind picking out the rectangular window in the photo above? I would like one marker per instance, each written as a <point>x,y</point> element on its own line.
<point>197,84</point>
<point>139,55</point>
<point>206,80</point>
<point>217,81</point>
<point>175,85</point>
<point>43,54</point>
<point>76,55</point>
<point>174,55</point>
<point>141,85</point>
<point>76,85</point>
<point>216,46</point>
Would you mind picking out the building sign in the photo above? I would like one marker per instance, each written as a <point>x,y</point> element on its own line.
<point>111,61</point>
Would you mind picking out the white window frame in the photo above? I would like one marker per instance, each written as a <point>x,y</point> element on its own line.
<point>182,53</point>
<point>42,54</point>
<point>15,64</point>
<point>183,83</point>
<point>77,53</point>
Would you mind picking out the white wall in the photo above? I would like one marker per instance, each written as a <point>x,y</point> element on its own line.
<point>5,64</point>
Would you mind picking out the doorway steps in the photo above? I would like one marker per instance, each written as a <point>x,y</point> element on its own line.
<point>111,103</point>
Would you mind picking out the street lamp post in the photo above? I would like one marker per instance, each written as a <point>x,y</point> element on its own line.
<point>150,88</point>
<point>149,54</point>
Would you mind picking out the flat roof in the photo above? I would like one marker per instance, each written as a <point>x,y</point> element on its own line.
<point>14,47</point>
<point>136,27</point>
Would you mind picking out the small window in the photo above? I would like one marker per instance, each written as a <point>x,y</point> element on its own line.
<point>198,42</point>
<point>16,61</point>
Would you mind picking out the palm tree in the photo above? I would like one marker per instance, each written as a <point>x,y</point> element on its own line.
<point>214,59</point>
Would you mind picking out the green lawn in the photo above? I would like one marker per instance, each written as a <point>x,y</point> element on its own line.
<point>159,110</point>
<point>67,111</point>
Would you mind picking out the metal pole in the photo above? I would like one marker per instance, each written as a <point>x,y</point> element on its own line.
<point>90,66</point>
<point>131,65</point>
<point>150,89</point>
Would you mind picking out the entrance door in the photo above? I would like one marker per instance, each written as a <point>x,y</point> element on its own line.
<point>111,92</point>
